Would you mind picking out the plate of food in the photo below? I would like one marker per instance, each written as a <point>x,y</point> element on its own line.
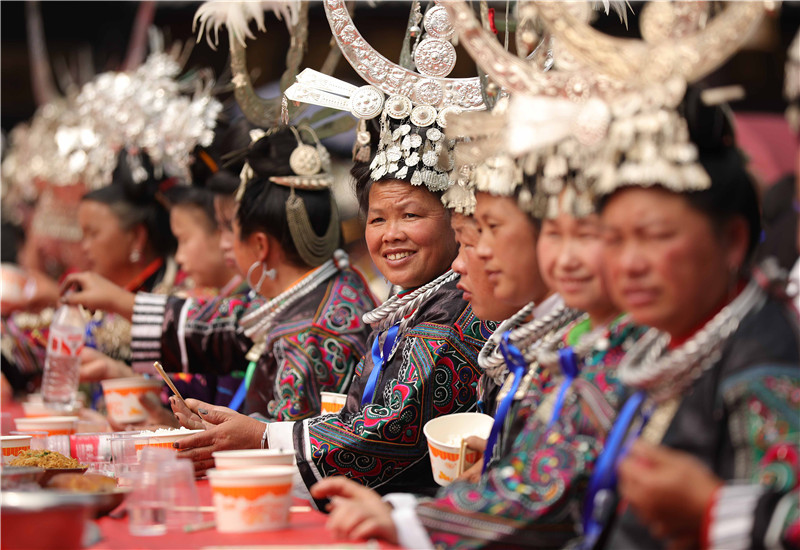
<point>103,490</point>
<point>52,462</point>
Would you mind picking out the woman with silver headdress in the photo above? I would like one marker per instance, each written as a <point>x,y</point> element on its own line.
<point>307,337</point>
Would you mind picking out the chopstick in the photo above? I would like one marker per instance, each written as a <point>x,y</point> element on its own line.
<point>167,379</point>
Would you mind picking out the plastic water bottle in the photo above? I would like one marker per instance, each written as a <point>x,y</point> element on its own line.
<point>62,363</point>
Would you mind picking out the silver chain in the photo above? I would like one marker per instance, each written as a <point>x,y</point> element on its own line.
<point>395,309</point>
<point>257,324</point>
<point>664,373</point>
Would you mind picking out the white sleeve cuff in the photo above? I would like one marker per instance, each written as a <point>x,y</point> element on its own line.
<point>410,532</point>
<point>280,435</point>
<point>732,516</point>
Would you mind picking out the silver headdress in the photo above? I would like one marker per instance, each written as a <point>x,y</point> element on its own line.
<point>596,121</point>
<point>791,83</point>
<point>146,110</point>
<point>412,107</point>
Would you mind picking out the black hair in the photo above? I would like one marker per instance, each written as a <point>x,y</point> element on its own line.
<point>263,203</point>
<point>217,166</point>
<point>196,197</point>
<point>732,192</point>
<point>135,196</point>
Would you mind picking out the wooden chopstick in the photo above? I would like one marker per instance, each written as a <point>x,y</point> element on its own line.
<point>461,457</point>
<point>167,379</point>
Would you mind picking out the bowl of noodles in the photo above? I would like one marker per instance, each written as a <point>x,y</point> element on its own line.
<point>51,462</point>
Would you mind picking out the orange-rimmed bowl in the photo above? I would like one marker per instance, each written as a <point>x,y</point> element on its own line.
<point>53,425</point>
<point>254,499</point>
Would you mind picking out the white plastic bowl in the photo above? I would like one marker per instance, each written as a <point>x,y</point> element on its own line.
<point>122,397</point>
<point>252,499</point>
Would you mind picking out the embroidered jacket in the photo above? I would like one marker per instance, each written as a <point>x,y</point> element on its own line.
<point>434,371</point>
<point>531,496</point>
<point>740,418</point>
<point>314,345</point>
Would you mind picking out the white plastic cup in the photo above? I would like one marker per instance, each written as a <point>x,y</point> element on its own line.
<point>13,445</point>
<point>239,459</point>
<point>332,402</point>
<point>253,499</point>
<point>148,502</point>
<point>445,434</point>
<point>124,456</point>
<point>122,397</point>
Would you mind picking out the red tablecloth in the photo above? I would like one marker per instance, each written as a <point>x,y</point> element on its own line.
<point>306,528</point>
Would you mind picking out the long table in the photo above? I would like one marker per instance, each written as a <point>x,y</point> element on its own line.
<point>306,530</point>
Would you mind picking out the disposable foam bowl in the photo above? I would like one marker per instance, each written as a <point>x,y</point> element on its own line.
<point>445,434</point>
<point>332,402</point>
<point>252,499</point>
<point>53,425</point>
<point>252,458</point>
<point>161,438</point>
<point>13,445</point>
<point>122,397</point>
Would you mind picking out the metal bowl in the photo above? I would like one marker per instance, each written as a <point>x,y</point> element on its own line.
<point>20,478</point>
<point>43,519</point>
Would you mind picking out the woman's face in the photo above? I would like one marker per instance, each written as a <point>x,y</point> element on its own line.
<point>225,211</point>
<point>408,233</point>
<point>664,262</point>
<point>571,259</point>
<point>105,243</point>
<point>474,280</point>
<point>199,253</point>
<point>507,245</point>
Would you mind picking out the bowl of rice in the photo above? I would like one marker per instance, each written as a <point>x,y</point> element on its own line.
<point>163,438</point>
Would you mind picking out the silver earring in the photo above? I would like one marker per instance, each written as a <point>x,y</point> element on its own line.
<point>271,273</point>
<point>135,256</point>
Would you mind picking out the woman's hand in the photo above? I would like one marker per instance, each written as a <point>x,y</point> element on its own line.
<point>94,292</point>
<point>473,473</point>
<point>356,512</point>
<point>96,366</point>
<point>668,490</point>
<point>224,429</point>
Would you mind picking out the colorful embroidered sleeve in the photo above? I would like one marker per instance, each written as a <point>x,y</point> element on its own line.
<point>765,429</point>
<point>434,372</point>
<point>531,496</point>
<point>189,335</point>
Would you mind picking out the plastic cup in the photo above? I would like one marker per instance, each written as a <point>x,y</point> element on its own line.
<point>59,444</point>
<point>147,502</point>
<point>38,439</point>
<point>94,450</point>
<point>252,458</point>
<point>253,499</point>
<point>122,397</point>
<point>124,457</point>
<point>445,434</point>
<point>332,402</point>
<point>13,445</point>
<point>182,494</point>
<point>53,425</point>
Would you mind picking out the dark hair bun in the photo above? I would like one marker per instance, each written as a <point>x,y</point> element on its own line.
<point>269,156</point>
<point>710,126</point>
<point>134,176</point>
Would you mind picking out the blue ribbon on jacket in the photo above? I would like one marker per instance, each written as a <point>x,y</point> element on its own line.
<point>515,363</point>
<point>379,357</point>
<point>568,362</point>
<point>602,485</point>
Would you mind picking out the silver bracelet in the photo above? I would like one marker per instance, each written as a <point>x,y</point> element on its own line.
<point>264,437</point>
